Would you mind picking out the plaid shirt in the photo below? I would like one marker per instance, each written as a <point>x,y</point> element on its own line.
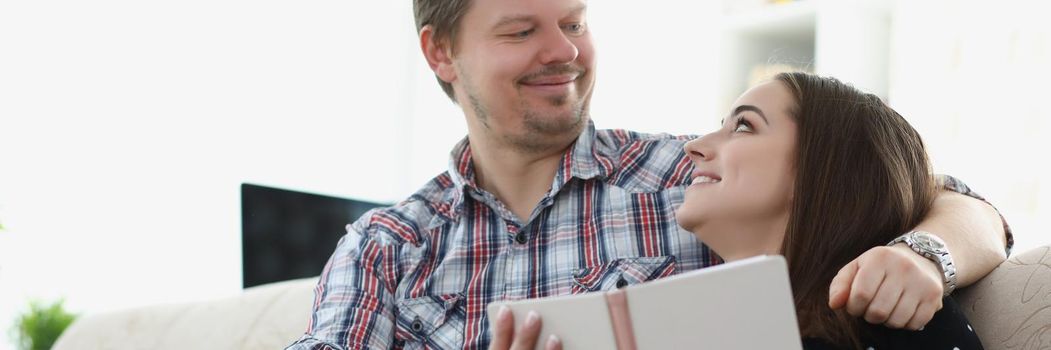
<point>423,271</point>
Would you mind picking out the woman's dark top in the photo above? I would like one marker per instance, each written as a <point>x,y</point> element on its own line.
<point>949,329</point>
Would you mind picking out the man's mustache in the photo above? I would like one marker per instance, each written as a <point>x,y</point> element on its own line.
<point>554,70</point>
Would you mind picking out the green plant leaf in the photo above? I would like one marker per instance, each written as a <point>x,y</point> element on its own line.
<point>40,327</point>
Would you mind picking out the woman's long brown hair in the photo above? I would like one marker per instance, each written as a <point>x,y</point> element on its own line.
<point>862,179</point>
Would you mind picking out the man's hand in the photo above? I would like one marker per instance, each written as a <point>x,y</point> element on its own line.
<point>893,286</point>
<point>504,335</point>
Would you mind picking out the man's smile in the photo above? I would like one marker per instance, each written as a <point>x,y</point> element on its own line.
<point>559,84</point>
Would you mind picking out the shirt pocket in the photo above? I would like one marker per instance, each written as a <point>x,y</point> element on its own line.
<point>622,272</point>
<point>434,321</point>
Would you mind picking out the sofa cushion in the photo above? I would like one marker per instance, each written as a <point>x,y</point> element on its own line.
<point>265,317</point>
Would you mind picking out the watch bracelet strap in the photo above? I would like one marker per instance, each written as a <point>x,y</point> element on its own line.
<point>948,277</point>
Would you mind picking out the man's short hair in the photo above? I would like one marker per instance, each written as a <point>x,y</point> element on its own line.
<point>444,16</point>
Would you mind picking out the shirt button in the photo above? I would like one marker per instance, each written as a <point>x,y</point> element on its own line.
<point>521,238</point>
<point>417,325</point>
<point>621,282</point>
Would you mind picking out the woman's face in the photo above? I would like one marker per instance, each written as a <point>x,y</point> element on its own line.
<point>739,200</point>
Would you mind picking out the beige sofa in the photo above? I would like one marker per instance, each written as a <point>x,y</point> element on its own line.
<point>1010,309</point>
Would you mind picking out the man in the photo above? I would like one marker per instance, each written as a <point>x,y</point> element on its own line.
<point>536,202</point>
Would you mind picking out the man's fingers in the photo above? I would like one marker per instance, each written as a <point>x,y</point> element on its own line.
<point>840,287</point>
<point>923,315</point>
<point>505,336</point>
<point>885,302</point>
<point>553,343</point>
<point>525,337</point>
<point>503,330</point>
<point>863,289</point>
<point>903,312</point>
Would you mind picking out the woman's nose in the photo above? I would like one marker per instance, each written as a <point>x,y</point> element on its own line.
<point>699,149</point>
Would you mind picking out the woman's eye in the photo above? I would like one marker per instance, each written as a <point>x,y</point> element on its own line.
<point>743,126</point>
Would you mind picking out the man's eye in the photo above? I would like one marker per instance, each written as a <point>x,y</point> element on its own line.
<point>575,27</point>
<point>522,34</point>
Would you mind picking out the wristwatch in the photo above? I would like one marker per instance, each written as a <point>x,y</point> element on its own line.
<point>931,247</point>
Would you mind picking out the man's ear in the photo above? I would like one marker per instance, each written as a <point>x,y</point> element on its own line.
<point>438,55</point>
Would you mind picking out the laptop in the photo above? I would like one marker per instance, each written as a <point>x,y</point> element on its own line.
<point>746,304</point>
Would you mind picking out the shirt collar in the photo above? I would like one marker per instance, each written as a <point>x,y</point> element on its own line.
<point>582,161</point>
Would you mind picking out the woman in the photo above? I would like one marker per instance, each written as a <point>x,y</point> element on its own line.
<point>858,177</point>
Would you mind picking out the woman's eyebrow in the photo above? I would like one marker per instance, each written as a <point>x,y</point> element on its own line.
<point>743,108</point>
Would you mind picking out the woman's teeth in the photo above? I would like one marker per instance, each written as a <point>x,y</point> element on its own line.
<point>703,179</point>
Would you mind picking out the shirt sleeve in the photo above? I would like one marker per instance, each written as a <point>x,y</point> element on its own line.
<point>353,301</point>
<point>950,183</point>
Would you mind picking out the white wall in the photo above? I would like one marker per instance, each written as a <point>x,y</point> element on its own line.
<point>126,128</point>
<point>656,65</point>
<point>975,86</point>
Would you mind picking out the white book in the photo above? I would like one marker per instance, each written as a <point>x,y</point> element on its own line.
<point>746,304</point>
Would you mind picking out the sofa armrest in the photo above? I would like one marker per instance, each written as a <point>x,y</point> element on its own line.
<point>1011,307</point>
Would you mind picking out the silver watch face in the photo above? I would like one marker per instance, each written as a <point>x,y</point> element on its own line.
<point>929,244</point>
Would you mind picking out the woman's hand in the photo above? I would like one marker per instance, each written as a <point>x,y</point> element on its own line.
<point>505,337</point>
<point>893,286</point>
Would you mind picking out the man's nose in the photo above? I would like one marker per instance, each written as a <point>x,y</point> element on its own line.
<point>558,48</point>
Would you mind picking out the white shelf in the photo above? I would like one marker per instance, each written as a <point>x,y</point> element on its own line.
<point>847,39</point>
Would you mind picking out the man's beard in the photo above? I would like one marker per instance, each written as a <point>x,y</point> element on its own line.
<point>546,132</point>
<point>543,132</point>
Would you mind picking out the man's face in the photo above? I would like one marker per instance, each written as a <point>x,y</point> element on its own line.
<point>525,71</point>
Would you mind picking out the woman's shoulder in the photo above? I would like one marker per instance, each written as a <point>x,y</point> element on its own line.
<point>948,329</point>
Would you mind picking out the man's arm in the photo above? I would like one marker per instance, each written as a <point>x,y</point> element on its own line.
<point>972,231</point>
<point>353,307</point>
<point>899,288</point>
